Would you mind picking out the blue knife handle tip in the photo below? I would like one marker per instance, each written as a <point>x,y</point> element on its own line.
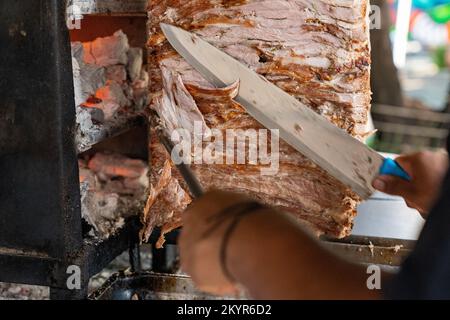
<point>391,167</point>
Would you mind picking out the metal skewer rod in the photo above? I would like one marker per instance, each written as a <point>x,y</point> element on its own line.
<point>189,177</point>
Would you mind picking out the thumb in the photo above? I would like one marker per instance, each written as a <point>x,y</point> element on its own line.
<point>394,186</point>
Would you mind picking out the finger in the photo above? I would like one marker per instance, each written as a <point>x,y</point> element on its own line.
<point>204,206</point>
<point>407,163</point>
<point>413,205</point>
<point>394,186</point>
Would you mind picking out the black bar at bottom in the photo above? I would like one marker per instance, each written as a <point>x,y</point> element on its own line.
<point>171,238</point>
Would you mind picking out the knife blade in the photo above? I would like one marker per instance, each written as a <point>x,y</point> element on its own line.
<point>341,155</point>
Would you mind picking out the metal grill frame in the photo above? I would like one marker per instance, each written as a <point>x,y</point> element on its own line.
<point>40,219</point>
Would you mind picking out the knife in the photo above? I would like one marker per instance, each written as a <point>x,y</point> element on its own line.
<point>187,174</point>
<point>341,155</point>
<point>189,177</point>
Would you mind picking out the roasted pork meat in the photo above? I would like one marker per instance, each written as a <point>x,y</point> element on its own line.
<point>316,50</point>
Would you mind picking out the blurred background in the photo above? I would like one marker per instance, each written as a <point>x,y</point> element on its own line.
<point>410,75</point>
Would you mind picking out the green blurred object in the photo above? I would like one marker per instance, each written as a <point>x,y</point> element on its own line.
<point>440,14</point>
<point>372,141</point>
<point>439,57</point>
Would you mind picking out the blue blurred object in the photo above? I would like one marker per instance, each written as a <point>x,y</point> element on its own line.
<point>391,167</point>
<point>428,4</point>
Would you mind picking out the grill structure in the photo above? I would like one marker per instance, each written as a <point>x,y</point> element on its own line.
<point>41,233</point>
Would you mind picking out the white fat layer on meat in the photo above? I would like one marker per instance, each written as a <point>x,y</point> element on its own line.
<point>176,107</point>
<point>316,62</point>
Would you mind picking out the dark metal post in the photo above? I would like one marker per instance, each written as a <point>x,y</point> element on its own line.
<point>39,188</point>
<point>134,252</point>
<point>40,216</point>
<point>164,260</point>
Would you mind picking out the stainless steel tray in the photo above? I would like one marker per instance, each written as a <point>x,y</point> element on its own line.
<point>149,286</point>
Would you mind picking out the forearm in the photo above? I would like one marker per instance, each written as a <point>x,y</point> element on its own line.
<point>274,259</point>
